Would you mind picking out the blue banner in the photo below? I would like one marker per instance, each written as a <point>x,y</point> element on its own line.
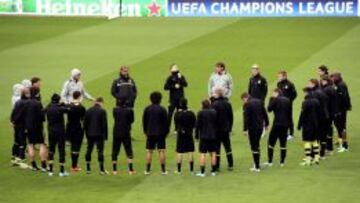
<point>262,8</point>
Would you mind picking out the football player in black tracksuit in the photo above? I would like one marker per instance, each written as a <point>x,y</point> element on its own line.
<point>224,124</point>
<point>288,90</point>
<point>56,129</point>
<point>18,116</point>
<point>123,119</point>
<point>34,125</point>
<point>124,87</point>
<point>257,85</point>
<point>74,128</point>
<point>184,124</point>
<point>323,99</point>
<point>329,89</point>
<point>156,128</point>
<point>281,106</point>
<point>96,131</point>
<point>36,83</point>
<point>309,124</point>
<point>255,120</point>
<point>175,84</point>
<point>343,105</point>
<point>206,134</point>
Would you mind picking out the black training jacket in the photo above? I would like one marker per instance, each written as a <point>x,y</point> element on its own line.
<point>323,99</point>
<point>331,94</point>
<point>185,121</point>
<point>309,116</point>
<point>206,124</point>
<point>55,117</point>
<point>255,116</point>
<point>343,97</point>
<point>175,93</point>
<point>34,116</point>
<point>95,123</point>
<point>224,113</point>
<point>281,106</point>
<point>258,87</point>
<point>288,89</point>
<point>18,114</point>
<point>155,121</point>
<point>75,118</point>
<point>124,88</point>
<point>123,119</point>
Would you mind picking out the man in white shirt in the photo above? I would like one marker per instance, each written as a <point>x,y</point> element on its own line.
<point>220,79</point>
<point>72,85</point>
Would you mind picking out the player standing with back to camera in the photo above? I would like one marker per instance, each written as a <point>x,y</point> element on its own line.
<point>175,84</point>
<point>123,116</point>
<point>185,121</point>
<point>224,124</point>
<point>281,107</point>
<point>96,130</point>
<point>206,134</point>
<point>255,120</point>
<point>156,128</point>
<point>56,128</point>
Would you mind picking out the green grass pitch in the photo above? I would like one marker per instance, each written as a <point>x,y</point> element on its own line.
<point>50,47</point>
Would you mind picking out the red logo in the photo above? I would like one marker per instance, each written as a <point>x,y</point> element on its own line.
<point>154,9</point>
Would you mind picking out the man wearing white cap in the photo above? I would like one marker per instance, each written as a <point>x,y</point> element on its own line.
<point>72,85</point>
<point>220,79</point>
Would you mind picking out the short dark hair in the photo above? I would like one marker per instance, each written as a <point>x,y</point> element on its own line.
<point>55,98</point>
<point>278,90</point>
<point>76,95</point>
<point>155,97</point>
<point>327,79</point>
<point>34,91</point>
<point>324,69</point>
<point>315,82</point>
<point>283,72</point>
<point>245,95</point>
<point>205,103</point>
<point>221,65</point>
<point>99,100</point>
<point>183,103</point>
<point>35,80</point>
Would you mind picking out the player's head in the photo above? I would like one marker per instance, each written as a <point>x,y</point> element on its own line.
<point>219,67</point>
<point>336,77</point>
<point>55,98</point>
<point>36,82</point>
<point>155,97</point>
<point>124,71</point>
<point>276,92</point>
<point>326,80</point>
<point>282,75</point>
<point>205,104</point>
<point>99,101</point>
<point>323,70</point>
<point>307,91</point>
<point>174,68</point>
<point>183,103</point>
<point>245,97</point>
<point>255,69</point>
<point>313,83</point>
<point>34,92</point>
<point>75,74</point>
<point>76,95</point>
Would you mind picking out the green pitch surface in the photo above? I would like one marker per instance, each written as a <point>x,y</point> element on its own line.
<point>50,47</point>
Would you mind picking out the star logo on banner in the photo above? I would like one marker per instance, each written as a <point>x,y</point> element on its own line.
<point>154,9</point>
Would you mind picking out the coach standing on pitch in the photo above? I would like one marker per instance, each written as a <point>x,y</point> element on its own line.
<point>124,88</point>
<point>220,79</point>
<point>175,84</point>
<point>258,87</point>
<point>72,85</point>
